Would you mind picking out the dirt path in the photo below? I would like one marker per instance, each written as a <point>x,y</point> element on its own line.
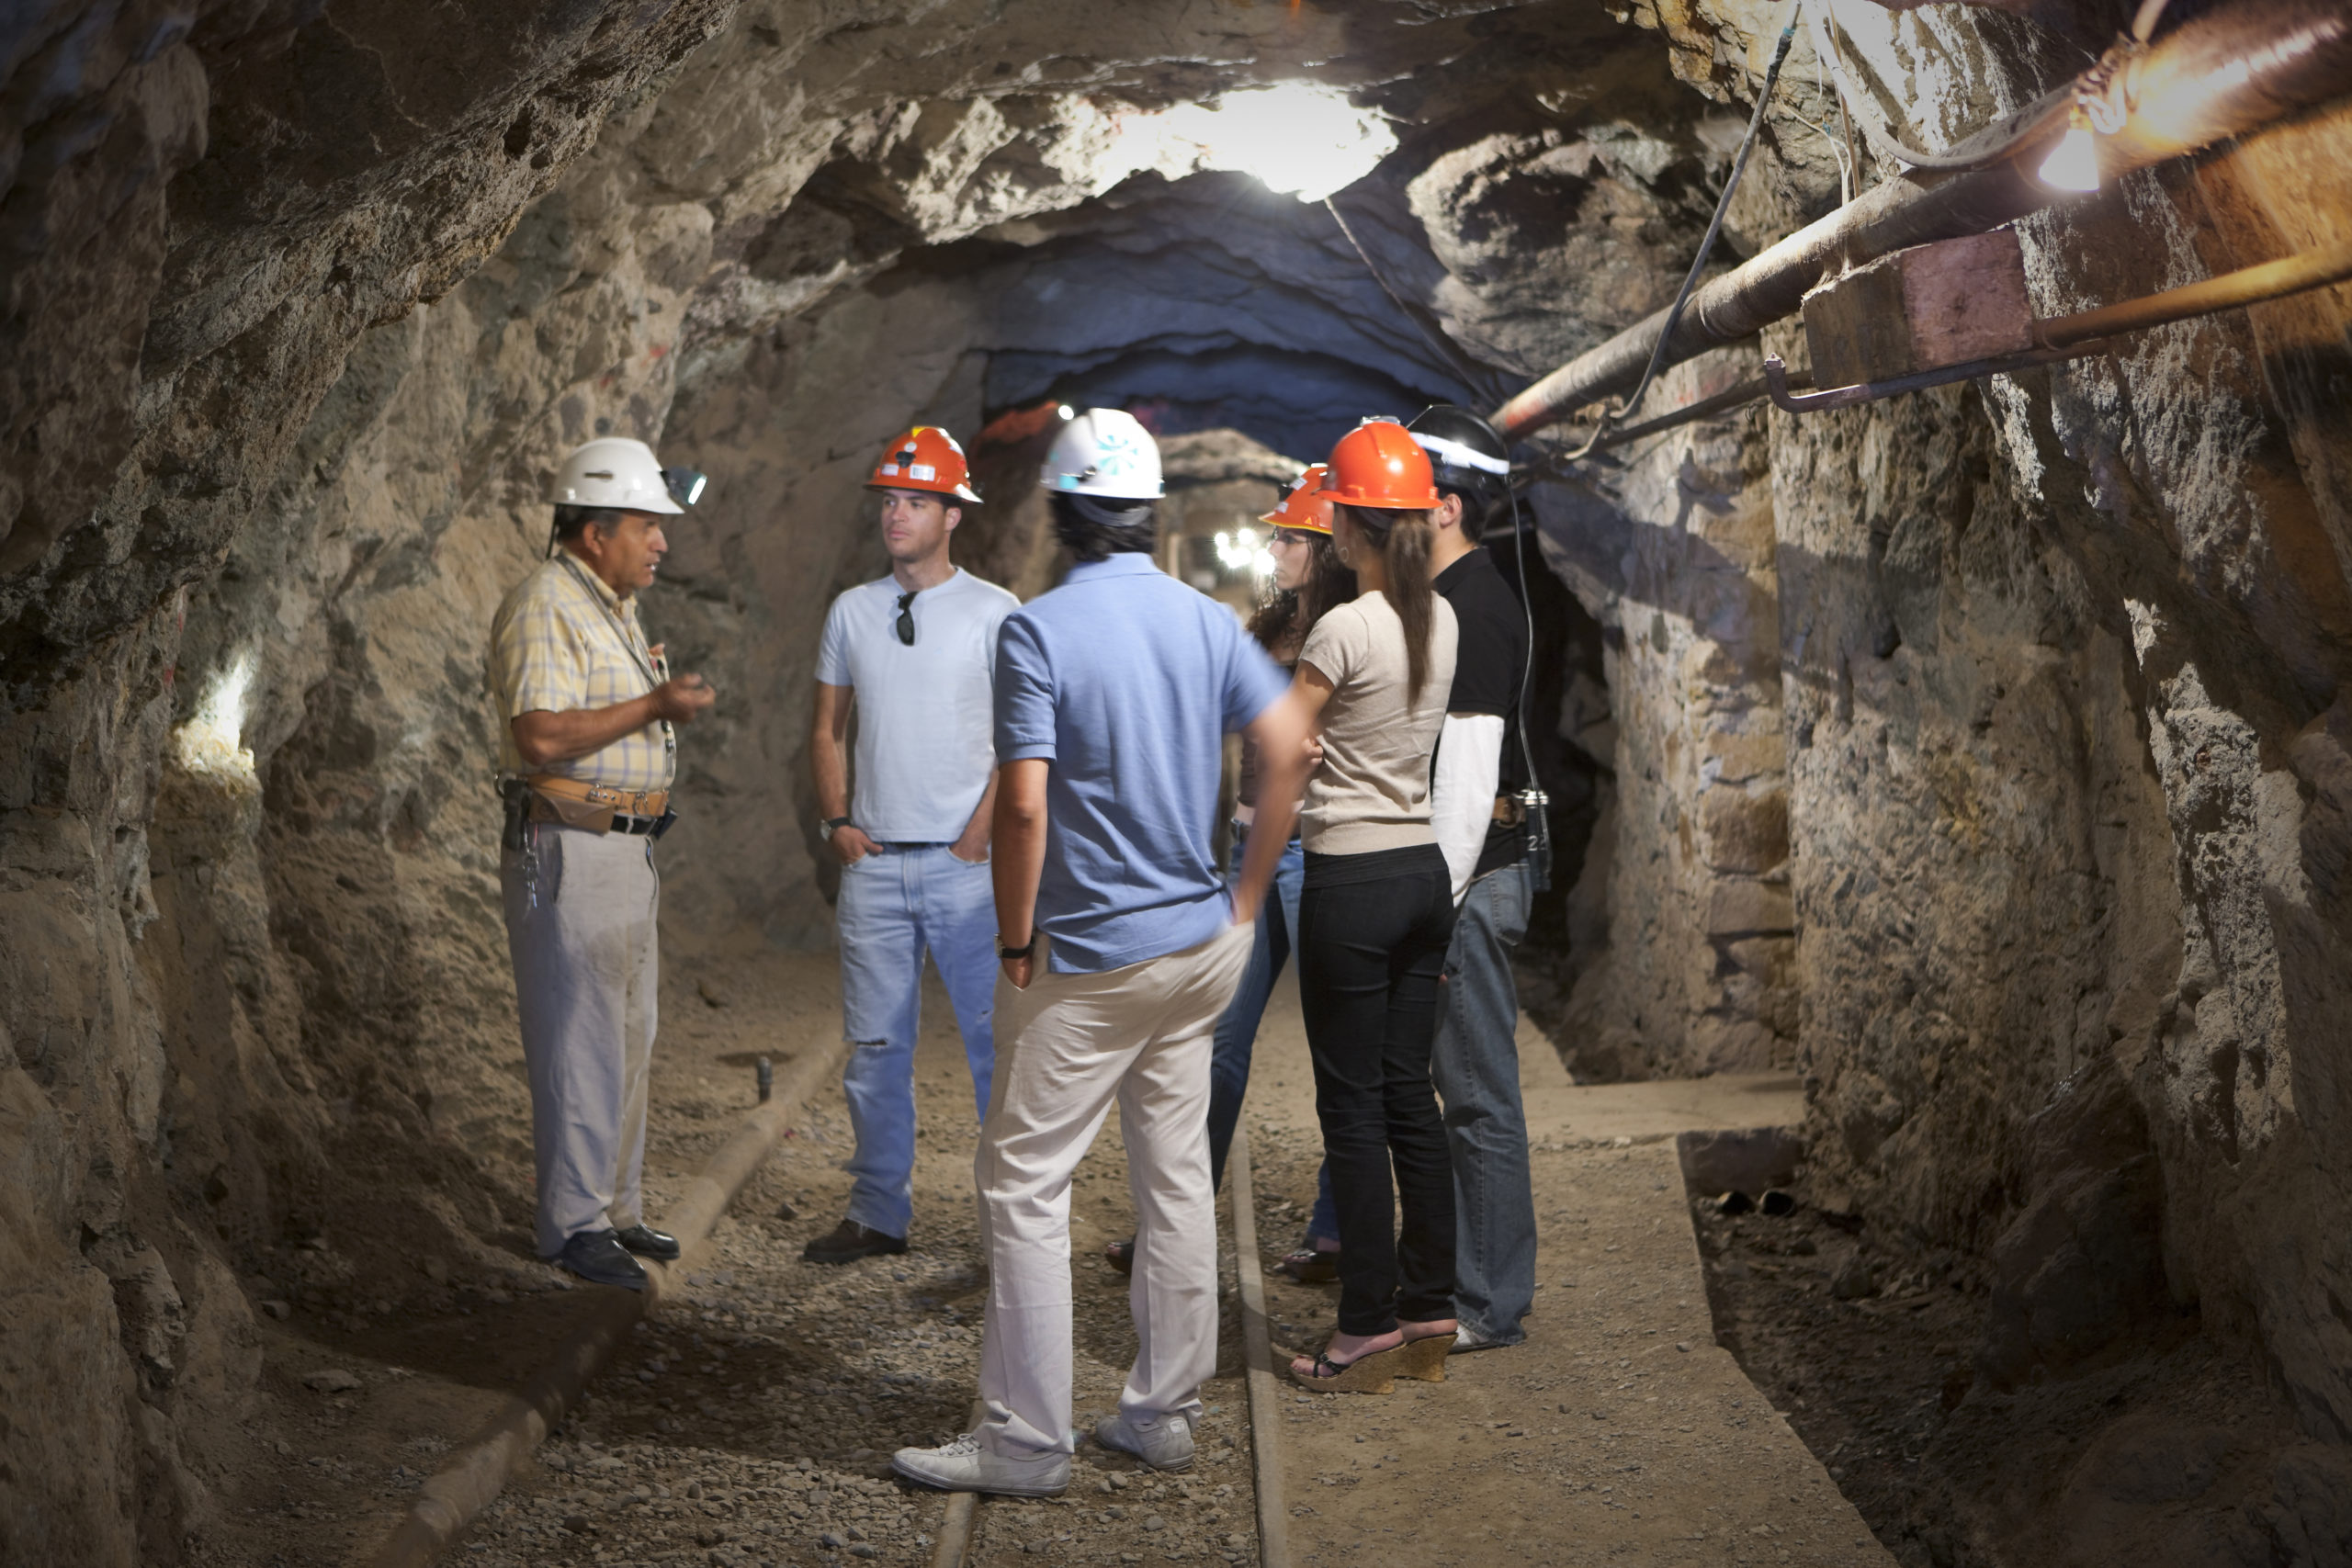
<point>752,1424</point>
<point>756,1426</point>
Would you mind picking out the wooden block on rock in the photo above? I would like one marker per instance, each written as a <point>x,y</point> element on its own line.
<point>1932,305</point>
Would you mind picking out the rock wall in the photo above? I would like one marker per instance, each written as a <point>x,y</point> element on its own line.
<point>1690,973</point>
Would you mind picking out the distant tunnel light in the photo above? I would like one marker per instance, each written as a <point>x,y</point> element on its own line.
<point>1298,137</point>
<point>211,744</point>
<point>1241,550</point>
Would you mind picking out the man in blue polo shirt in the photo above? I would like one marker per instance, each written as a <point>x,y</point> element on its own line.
<point>1120,948</point>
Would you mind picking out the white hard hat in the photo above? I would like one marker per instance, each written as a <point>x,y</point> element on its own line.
<point>617,472</point>
<point>1105,452</point>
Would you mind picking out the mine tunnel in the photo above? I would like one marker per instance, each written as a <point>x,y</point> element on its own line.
<point>1930,434</point>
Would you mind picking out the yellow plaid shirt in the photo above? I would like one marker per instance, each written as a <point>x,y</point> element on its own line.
<point>563,641</point>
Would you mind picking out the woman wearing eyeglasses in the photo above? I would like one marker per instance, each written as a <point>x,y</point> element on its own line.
<point>1308,582</point>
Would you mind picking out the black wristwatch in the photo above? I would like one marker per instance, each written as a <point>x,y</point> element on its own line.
<point>1006,954</point>
<point>830,826</point>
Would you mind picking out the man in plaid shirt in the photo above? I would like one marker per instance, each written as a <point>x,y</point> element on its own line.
<point>587,754</point>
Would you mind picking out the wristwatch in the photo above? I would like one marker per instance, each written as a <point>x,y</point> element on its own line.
<point>830,826</point>
<point>1005,954</point>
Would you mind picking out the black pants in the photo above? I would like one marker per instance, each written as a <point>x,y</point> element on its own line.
<point>1372,940</point>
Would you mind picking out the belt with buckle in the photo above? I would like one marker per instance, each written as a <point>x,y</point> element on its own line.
<point>630,802</point>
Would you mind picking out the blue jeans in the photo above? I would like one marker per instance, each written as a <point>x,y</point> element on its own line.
<point>1236,1030</point>
<point>895,905</point>
<point>1475,1066</point>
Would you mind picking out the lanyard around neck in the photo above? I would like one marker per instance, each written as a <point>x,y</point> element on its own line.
<point>613,617</point>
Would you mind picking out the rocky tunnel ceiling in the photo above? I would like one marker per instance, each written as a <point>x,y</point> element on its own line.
<point>1970,755</point>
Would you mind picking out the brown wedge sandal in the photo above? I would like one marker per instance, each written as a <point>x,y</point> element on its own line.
<point>1374,1373</point>
<point>1424,1358</point>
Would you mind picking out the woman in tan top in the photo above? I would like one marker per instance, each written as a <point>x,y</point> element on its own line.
<point>1375,914</point>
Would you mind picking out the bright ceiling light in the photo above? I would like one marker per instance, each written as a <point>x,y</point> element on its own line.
<point>1065,410</point>
<point>2073,165</point>
<point>1298,137</point>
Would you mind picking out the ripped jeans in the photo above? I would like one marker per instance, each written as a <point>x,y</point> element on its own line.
<point>894,906</point>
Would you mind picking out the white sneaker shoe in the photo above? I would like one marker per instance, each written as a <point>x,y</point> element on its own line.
<point>1163,1442</point>
<point>1467,1339</point>
<point>965,1466</point>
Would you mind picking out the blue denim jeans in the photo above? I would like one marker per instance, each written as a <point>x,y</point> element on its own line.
<point>895,905</point>
<point>1236,1030</point>
<point>1475,1068</point>
<point>1475,1065</point>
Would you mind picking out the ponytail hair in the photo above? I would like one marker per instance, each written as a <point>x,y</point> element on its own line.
<point>1403,538</point>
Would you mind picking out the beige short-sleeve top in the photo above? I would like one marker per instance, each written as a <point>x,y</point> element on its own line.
<point>1371,791</point>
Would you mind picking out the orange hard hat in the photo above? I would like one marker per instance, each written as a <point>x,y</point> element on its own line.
<point>1379,463</point>
<point>1304,508</point>
<point>926,457</point>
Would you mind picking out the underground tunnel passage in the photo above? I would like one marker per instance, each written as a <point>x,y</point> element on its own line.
<point>1939,1137</point>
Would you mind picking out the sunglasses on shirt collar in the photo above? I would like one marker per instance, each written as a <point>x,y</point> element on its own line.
<point>905,625</point>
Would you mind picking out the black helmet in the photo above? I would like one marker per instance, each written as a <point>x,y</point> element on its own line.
<point>1468,457</point>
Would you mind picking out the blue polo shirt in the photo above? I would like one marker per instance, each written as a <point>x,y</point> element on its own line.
<point>1127,681</point>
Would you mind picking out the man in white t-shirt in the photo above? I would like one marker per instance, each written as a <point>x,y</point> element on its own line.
<point>918,651</point>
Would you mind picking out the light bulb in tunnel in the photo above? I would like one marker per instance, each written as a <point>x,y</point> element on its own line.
<point>1066,412</point>
<point>1264,565</point>
<point>2073,165</point>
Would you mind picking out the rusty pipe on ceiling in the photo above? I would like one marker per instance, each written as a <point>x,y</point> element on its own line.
<point>2226,74</point>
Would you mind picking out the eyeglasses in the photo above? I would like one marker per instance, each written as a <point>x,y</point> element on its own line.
<point>1294,536</point>
<point>907,618</point>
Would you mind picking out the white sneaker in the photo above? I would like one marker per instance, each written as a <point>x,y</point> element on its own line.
<point>1466,1339</point>
<point>965,1466</point>
<point>1163,1442</point>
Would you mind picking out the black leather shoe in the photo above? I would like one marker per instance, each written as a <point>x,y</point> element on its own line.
<point>598,1257</point>
<point>647,1241</point>
<point>849,1241</point>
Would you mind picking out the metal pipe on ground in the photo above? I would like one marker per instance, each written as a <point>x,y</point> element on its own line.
<point>456,1493</point>
<point>2221,74</point>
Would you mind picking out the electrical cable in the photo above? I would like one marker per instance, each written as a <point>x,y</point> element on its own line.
<point>1707,245</point>
<point>1478,378</point>
<point>1534,798</point>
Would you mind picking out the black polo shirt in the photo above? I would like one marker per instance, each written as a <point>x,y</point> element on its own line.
<point>1489,663</point>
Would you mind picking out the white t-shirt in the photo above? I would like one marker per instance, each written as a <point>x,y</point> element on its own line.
<point>925,714</point>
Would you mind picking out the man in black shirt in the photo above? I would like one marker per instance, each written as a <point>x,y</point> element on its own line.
<point>1482,829</point>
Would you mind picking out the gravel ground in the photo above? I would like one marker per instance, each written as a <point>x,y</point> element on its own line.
<point>752,1423</point>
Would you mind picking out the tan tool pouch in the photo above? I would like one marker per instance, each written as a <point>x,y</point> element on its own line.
<point>581,813</point>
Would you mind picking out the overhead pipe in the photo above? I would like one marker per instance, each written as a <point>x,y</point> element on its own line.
<point>2221,74</point>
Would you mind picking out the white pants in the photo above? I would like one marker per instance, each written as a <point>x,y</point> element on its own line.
<point>1067,1046</point>
<point>586,969</point>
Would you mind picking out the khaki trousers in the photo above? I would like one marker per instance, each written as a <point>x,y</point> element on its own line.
<point>586,966</point>
<point>1067,1047</point>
